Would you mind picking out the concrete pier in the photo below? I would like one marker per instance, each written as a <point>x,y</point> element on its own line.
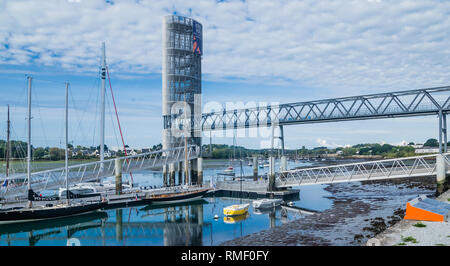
<point>199,170</point>
<point>255,168</point>
<point>271,173</point>
<point>118,174</point>
<point>172,174</point>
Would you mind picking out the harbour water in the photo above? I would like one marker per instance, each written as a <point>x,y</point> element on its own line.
<point>185,224</point>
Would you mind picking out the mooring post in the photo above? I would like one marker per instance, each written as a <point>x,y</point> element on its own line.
<point>271,173</point>
<point>200,171</point>
<point>172,174</point>
<point>164,172</point>
<point>118,172</point>
<point>255,168</point>
<point>180,173</point>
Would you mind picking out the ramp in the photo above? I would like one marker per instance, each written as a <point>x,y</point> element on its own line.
<point>425,209</point>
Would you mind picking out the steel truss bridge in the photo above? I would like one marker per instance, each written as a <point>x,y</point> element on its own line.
<point>55,178</point>
<point>372,106</point>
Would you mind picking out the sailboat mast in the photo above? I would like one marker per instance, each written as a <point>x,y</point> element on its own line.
<point>102,120</point>
<point>67,144</point>
<point>30,203</point>
<point>185,143</point>
<point>8,147</point>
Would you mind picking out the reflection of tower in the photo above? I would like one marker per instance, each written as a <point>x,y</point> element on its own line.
<point>184,229</point>
<point>272,218</point>
<point>181,77</point>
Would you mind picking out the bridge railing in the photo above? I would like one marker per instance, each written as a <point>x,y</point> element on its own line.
<point>55,178</point>
<point>424,165</point>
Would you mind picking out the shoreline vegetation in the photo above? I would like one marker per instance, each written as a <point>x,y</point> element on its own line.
<point>215,151</point>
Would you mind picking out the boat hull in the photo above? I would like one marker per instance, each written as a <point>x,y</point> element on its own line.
<point>31,215</point>
<point>229,211</point>
<point>258,204</point>
<point>176,198</point>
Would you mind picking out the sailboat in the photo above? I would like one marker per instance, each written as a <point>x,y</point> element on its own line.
<point>52,210</point>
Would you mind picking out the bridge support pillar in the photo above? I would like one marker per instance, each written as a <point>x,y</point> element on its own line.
<point>271,174</point>
<point>200,171</point>
<point>441,169</point>
<point>440,131</point>
<point>172,174</point>
<point>444,118</point>
<point>164,172</point>
<point>255,168</point>
<point>283,164</point>
<point>441,172</point>
<point>118,174</point>
<point>180,173</point>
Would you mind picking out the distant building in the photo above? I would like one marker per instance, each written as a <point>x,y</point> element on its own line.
<point>416,146</point>
<point>423,150</point>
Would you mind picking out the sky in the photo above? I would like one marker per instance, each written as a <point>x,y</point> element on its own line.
<point>262,50</point>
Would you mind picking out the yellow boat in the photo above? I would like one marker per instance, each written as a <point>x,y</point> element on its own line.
<point>234,210</point>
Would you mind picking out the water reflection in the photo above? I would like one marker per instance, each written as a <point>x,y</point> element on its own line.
<point>235,219</point>
<point>62,229</point>
<point>178,224</point>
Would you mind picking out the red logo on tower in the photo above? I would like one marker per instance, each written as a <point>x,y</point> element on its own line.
<point>197,38</point>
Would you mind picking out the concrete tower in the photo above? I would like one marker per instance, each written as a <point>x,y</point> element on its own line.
<point>181,79</point>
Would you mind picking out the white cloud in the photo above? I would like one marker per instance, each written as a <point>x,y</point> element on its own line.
<point>343,45</point>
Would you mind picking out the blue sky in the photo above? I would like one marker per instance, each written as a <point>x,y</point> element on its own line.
<point>272,51</point>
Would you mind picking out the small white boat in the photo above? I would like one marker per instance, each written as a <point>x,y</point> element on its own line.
<point>237,209</point>
<point>266,203</point>
<point>229,169</point>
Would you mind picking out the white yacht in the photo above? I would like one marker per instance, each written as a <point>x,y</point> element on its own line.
<point>266,203</point>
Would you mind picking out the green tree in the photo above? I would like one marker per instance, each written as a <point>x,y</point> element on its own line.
<point>39,153</point>
<point>56,154</point>
<point>431,143</point>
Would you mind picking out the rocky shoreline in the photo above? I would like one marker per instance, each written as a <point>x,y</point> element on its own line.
<point>360,211</point>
